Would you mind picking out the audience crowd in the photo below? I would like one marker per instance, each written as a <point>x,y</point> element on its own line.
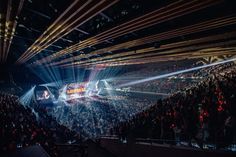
<point>93,118</point>
<point>166,86</point>
<point>204,113</point>
<point>22,126</point>
<point>203,110</point>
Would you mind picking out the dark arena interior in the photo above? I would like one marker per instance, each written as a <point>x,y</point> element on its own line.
<point>117,78</point>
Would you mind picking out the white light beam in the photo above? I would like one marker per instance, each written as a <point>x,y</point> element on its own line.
<point>175,73</point>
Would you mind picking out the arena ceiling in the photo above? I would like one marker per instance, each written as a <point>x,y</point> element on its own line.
<point>85,33</point>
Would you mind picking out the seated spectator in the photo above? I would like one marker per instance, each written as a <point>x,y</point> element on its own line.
<point>204,113</point>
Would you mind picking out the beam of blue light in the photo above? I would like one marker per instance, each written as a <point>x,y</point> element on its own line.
<point>52,84</point>
<point>27,97</point>
<point>63,96</point>
<point>175,73</point>
<point>26,100</point>
<point>48,74</point>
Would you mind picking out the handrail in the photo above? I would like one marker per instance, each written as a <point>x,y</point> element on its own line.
<point>206,145</point>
